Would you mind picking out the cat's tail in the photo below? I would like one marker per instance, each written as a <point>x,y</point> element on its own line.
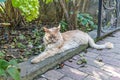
<point>91,42</point>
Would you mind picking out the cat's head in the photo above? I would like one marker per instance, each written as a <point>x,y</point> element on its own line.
<point>52,35</point>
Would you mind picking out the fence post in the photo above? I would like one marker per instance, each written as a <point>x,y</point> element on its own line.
<point>117,13</point>
<point>99,18</point>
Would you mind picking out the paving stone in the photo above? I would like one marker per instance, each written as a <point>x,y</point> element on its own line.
<point>96,51</point>
<point>116,34</point>
<point>66,78</point>
<point>101,75</point>
<point>77,57</point>
<point>115,49</point>
<point>91,54</point>
<point>98,76</point>
<point>94,62</point>
<point>111,61</point>
<point>113,70</point>
<point>117,57</point>
<point>92,78</point>
<point>106,52</point>
<point>72,64</point>
<point>113,40</point>
<point>41,79</point>
<point>114,78</point>
<point>73,73</point>
<point>53,75</point>
<point>93,71</point>
<point>88,69</point>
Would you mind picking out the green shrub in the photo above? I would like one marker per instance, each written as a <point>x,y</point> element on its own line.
<point>2,0</point>
<point>85,22</point>
<point>29,8</point>
<point>9,69</point>
<point>8,14</point>
<point>64,26</point>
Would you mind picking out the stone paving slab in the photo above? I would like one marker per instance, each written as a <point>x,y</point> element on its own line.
<point>111,61</point>
<point>95,72</point>
<point>92,78</point>
<point>114,78</point>
<point>91,55</point>
<point>40,79</point>
<point>94,62</point>
<point>113,70</point>
<point>106,52</point>
<point>88,69</point>
<point>66,78</point>
<point>117,57</point>
<point>53,75</point>
<point>72,73</point>
<point>72,64</point>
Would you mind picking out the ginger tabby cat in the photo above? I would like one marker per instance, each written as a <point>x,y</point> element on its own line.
<point>56,42</point>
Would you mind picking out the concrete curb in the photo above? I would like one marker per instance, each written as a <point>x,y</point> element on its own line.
<point>29,71</point>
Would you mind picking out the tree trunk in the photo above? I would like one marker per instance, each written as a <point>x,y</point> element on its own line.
<point>84,5</point>
<point>71,15</point>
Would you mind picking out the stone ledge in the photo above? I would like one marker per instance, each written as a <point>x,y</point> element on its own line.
<point>29,71</point>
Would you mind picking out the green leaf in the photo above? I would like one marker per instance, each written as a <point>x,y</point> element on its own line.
<point>13,62</point>
<point>91,22</point>
<point>47,1</point>
<point>2,72</point>
<point>28,53</point>
<point>3,64</point>
<point>29,8</point>
<point>22,37</point>
<point>84,22</point>
<point>20,45</point>
<point>1,54</point>
<point>14,73</point>
<point>2,0</point>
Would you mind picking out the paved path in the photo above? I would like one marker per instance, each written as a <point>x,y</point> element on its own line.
<point>106,69</point>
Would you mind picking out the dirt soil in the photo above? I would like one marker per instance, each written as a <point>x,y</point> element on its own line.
<point>20,44</point>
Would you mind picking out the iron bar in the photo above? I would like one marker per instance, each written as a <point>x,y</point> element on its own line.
<point>99,18</point>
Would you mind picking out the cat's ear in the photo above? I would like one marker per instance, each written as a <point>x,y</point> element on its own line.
<point>59,27</point>
<point>45,29</point>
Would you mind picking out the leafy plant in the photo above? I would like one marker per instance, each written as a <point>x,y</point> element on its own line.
<point>47,1</point>
<point>64,26</point>
<point>29,8</point>
<point>2,54</point>
<point>8,14</point>
<point>20,45</point>
<point>37,35</point>
<point>2,0</point>
<point>9,69</point>
<point>21,37</point>
<point>86,21</point>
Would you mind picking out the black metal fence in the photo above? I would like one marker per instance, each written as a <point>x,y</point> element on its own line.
<point>108,16</point>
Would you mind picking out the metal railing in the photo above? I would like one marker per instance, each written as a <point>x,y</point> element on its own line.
<point>108,16</point>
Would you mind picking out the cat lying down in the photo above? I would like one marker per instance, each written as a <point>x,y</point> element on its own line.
<point>56,42</point>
